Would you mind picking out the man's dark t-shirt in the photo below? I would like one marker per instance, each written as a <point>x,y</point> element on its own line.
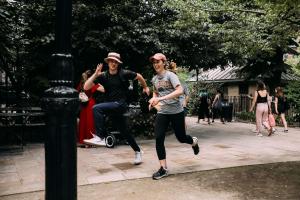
<point>115,89</point>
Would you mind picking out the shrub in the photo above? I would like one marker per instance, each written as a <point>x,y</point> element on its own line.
<point>247,116</point>
<point>292,93</point>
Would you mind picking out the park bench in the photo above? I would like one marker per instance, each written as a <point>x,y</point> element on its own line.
<point>18,120</point>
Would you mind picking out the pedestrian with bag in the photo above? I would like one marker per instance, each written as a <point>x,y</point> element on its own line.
<point>260,100</point>
<point>86,119</point>
<point>167,89</point>
<point>115,82</point>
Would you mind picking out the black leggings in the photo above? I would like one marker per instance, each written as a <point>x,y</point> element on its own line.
<point>161,125</point>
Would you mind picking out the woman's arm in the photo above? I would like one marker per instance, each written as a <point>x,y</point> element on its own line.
<point>269,103</point>
<point>154,95</point>
<point>186,100</point>
<point>276,105</point>
<point>253,102</point>
<point>215,100</point>
<point>176,93</point>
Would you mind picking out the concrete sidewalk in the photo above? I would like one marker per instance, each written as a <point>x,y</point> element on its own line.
<point>222,146</point>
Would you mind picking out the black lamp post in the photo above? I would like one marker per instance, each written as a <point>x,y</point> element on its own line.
<point>60,104</point>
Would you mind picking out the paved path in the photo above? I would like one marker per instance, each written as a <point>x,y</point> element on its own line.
<point>222,146</point>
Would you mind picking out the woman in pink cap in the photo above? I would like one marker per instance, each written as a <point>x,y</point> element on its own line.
<point>167,89</point>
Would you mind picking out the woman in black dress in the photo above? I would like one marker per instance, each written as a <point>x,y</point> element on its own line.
<point>281,106</point>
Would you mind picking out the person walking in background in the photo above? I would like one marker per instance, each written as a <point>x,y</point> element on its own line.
<point>167,89</point>
<point>217,106</point>
<point>86,119</point>
<point>281,106</point>
<point>271,118</point>
<point>203,108</point>
<point>263,109</point>
<point>116,83</point>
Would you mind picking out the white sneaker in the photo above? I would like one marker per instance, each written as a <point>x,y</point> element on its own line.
<point>138,157</point>
<point>259,134</point>
<point>97,141</point>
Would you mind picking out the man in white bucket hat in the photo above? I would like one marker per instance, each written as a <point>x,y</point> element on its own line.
<point>114,81</point>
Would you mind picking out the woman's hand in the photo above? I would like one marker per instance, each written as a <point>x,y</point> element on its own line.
<point>154,103</point>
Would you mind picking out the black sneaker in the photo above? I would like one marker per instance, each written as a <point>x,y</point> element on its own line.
<point>160,173</point>
<point>195,146</point>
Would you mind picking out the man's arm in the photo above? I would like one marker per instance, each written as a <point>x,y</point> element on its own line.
<point>186,100</point>
<point>143,83</point>
<point>90,82</point>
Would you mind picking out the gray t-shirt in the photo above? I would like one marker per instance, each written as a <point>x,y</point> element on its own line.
<point>164,85</point>
<point>185,93</point>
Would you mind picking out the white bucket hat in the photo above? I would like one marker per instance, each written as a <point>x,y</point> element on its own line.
<point>113,56</point>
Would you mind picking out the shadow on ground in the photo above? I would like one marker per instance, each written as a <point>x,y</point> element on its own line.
<point>264,182</point>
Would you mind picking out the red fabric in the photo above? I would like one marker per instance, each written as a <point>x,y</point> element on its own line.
<point>86,118</point>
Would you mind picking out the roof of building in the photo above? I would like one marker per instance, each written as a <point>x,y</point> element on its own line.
<point>229,74</point>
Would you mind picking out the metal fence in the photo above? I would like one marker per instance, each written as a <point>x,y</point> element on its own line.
<point>240,103</point>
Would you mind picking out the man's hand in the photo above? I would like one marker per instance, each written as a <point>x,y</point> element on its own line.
<point>98,70</point>
<point>146,90</point>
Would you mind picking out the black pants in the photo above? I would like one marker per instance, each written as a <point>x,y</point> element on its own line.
<point>116,111</point>
<point>161,125</point>
<point>218,112</point>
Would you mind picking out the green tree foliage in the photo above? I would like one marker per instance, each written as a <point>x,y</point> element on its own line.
<point>134,28</point>
<point>251,34</point>
<point>292,92</point>
<point>196,34</point>
<point>27,37</point>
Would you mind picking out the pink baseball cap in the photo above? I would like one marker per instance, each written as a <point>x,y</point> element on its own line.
<point>158,56</point>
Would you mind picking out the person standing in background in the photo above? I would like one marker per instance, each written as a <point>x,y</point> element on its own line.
<point>217,106</point>
<point>281,106</point>
<point>86,127</point>
<point>203,108</point>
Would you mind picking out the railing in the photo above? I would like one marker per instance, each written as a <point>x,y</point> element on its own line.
<point>17,119</point>
<point>240,103</point>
